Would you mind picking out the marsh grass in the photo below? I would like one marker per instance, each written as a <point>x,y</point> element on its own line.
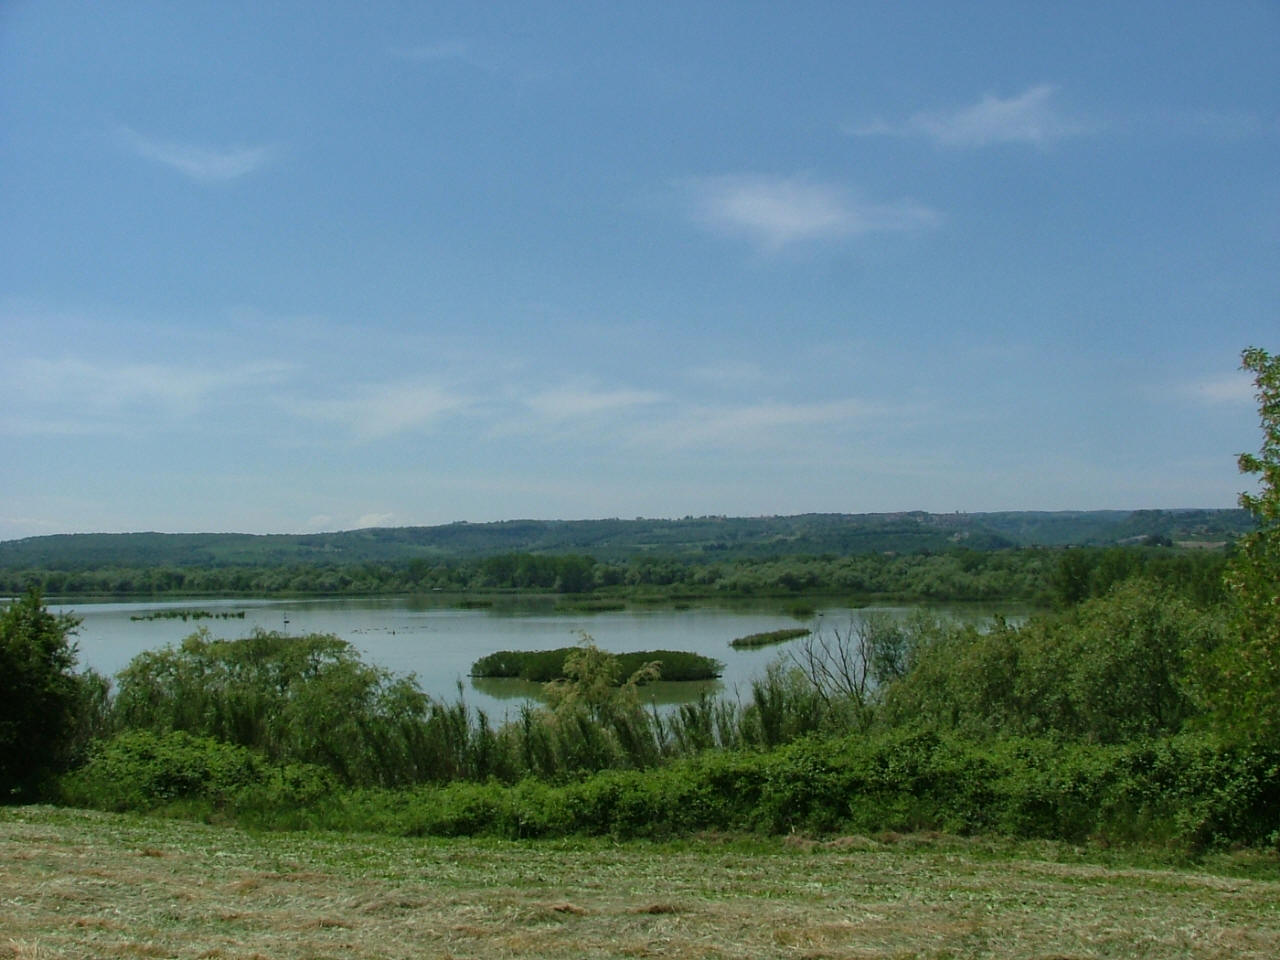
<point>79,884</point>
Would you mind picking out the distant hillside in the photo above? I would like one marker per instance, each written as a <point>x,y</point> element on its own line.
<point>692,538</point>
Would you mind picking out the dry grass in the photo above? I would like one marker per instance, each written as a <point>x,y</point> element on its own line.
<point>76,884</point>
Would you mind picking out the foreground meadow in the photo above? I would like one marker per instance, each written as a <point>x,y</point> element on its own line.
<point>84,884</point>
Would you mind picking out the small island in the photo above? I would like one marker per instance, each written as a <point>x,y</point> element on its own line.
<point>545,666</point>
<point>773,636</point>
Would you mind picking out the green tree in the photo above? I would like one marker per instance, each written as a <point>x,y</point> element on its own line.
<point>40,695</point>
<point>1109,670</point>
<point>1246,694</point>
<point>304,699</point>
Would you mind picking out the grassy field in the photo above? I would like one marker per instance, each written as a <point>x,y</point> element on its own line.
<point>80,884</point>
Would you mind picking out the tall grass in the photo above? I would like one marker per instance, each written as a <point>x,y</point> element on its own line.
<point>1189,793</point>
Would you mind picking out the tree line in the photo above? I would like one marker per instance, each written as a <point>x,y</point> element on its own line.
<point>1032,575</point>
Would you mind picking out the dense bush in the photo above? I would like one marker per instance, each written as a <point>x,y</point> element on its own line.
<point>301,700</point>
<point>141,770</point>
<point>1242,682</point>
<point>47,711</point>
<point>1111,670</point>
<point>1190,792</point>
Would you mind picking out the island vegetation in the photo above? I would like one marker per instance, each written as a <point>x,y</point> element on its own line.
<point>770,637</point>
<point>546,666</point>
<point>185,615</point>
<point>1142,706</point>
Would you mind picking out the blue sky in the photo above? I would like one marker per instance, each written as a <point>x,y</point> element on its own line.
<point>278,267</point>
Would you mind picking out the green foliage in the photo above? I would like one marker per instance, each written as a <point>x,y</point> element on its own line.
<point>304,700</point>
<point>596,720</point>
<point>784,705</point>
<point>1244,687</point>
<point>47,711</point>
<point>143,770</point>
<point>846,673</point>
<point>1112,670</point>
<point>567,573</point>
<point>1087,572</point>
<point>911,555</point>
<point>1186,792</point>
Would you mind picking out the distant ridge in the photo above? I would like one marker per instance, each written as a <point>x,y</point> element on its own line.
<point>691,538</point>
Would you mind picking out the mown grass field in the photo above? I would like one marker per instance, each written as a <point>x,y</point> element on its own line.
<point>80,884</point>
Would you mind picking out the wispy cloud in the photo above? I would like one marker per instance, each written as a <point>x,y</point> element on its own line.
<point>200,163</point>
<point>774,212</point>
<point>75,396</point>
<point>727,374</point>
<point>568,403</point>
<point>765,424</point>
<point>375,411</point>
<point>1229,388</point>
<point>1030,117</point>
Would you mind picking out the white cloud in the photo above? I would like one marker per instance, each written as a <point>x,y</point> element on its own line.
<point>1230,388</point>
<point>774,212</point>
<point>203,164</point>
<point>375,520</point>
<point>375,411</point>
<point>1028,117</point>
<point>569,403</point>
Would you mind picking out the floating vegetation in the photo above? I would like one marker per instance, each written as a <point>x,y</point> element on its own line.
<point>773,636</point>
<point>591,606</point>
<point>471,603</point>
<point>543,666</point>
<point>185,615</point>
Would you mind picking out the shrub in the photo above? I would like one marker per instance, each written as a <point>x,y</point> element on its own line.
<point>143,770</point>
<point>308,700</point>
<point>1111,670</point>
<point>1188,792</point>
<point>47,711</point>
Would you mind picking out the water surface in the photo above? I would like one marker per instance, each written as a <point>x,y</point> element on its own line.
<point>439,643</point>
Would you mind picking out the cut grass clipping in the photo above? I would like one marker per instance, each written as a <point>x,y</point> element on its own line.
<point>81,885</point>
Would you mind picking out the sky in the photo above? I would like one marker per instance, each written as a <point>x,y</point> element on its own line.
<point>277,267</point>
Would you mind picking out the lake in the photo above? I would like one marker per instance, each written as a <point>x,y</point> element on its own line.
<point>439,643</point>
